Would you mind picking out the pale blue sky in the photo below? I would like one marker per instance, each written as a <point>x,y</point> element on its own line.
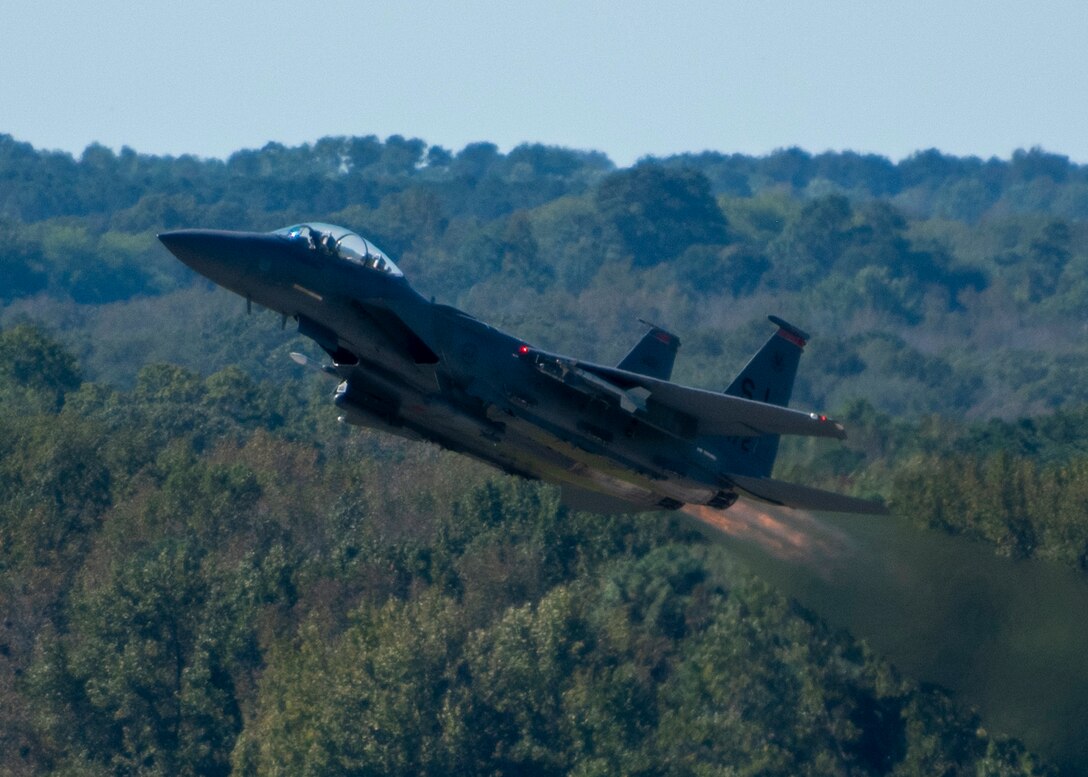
<point>628,79</point>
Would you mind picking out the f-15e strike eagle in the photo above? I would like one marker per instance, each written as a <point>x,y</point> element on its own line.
<point>615,439</point>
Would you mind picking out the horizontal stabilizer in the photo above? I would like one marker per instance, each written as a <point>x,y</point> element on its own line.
<point>779,492</point>
<point>681,410</point>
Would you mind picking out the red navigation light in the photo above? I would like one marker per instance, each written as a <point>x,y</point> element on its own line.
<point>524,349</point>
<point>823,419</point>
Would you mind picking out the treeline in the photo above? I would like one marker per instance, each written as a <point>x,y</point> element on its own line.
<point>204,575</point>
<point>915,306</point>
<point>336,171</point>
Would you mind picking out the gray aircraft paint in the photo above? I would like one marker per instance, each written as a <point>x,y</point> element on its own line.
<point>621,438</point>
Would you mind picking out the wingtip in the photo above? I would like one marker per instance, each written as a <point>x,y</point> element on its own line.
<point>832,427</point>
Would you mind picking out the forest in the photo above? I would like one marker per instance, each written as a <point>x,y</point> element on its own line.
<point>201,572</point>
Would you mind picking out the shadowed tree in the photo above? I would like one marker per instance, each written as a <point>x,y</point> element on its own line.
<point>659,212</point>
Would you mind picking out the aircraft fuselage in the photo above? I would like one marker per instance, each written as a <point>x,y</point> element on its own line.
<point>427,371</point>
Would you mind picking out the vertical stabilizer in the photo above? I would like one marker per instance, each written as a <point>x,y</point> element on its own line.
<point>768,377</point>
<point>653,355</point>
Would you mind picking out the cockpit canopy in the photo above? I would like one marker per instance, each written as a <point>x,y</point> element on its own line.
<point>341,243</point>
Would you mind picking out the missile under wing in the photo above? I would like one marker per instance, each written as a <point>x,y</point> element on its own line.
<point>621,438</point>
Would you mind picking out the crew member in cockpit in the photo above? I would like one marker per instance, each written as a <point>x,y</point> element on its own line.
<point>327,243</point>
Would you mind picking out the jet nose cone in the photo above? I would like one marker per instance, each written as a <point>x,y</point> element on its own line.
<point>198,248</point>
<point>176,238</point>
<point>225,257</point>
<point>247,263</point>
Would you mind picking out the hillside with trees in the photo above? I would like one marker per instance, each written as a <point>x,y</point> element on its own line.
<point>920,298</point>
<point>203,573</point>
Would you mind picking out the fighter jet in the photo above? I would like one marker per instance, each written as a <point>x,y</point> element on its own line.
<point>615,439</point>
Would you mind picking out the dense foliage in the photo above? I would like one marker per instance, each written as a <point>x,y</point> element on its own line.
<point>201,573</point>
<point>936,284</point>
<point>194,584</point>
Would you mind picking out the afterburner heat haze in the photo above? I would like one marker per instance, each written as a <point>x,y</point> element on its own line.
<point>1006,635</point>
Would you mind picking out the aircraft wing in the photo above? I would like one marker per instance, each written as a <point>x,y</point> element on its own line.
<point>681,410</point>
